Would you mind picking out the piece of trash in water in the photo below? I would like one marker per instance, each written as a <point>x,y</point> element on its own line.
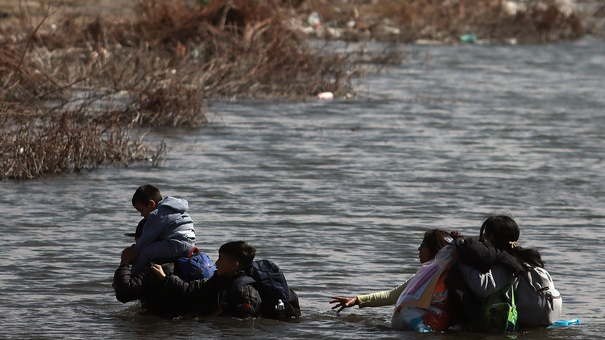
<point>564,323</point>
<point>325,95</point>
<point>468,38</point>
<point>314,19</point>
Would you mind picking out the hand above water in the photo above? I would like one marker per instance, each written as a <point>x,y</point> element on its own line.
<point>343,302</point>
<point>158,271</point>
<point>128,255</point>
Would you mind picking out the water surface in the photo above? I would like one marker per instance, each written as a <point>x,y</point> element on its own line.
<point>338,193</point>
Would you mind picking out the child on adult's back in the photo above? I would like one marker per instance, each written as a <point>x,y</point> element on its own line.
<point>168,232</point>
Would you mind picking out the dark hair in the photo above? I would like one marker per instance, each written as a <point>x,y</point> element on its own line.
<point>240,251</point>
<point>146,193</point>
<point>435,239</point>
<point>505,233</point>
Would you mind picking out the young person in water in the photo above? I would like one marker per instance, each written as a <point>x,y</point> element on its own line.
<point>229,292</point>
<point>488,269</point>
<point>437,318</point>
<point>144,286</point>
<point>168,232</point>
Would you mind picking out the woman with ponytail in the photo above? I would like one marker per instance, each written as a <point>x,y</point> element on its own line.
<point>503,232</point>
<point>489,269</point>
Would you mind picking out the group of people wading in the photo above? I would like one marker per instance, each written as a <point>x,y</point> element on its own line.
<point>489,284</point>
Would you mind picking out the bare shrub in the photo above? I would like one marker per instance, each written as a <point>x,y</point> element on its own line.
<point>242,48</point>
<point>42,146</point>
<point>538,22</point>
<point>73,86</point>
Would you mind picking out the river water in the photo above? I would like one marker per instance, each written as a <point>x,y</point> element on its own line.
<point>339,193</point>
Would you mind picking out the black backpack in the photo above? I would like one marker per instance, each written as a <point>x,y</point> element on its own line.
<point>279,301</point>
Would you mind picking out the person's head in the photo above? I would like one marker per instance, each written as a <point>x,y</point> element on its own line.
<point>146,198</point>
<point>501,231</point>
<point>139,230</point>
<point>233,257</point>
<point>433,241</point>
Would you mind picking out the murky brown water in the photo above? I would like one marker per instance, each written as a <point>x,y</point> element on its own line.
<point>338,194</point>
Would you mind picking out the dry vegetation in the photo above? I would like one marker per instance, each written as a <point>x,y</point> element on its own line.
<point>75,87</point>
<point>535,21</point>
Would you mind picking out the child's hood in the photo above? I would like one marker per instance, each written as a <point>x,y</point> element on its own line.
<point>173,203</point>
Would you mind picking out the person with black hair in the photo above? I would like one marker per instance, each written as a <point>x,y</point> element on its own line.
<point>437,319</point>
<point>230,291</point>
<point>488,269</point>
<point>145,287</point>
<point>167,233</point>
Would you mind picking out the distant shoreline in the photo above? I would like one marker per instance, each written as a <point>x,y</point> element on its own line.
<point>357,20</point>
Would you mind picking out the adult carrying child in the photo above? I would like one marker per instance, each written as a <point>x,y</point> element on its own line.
<point>492,269</point>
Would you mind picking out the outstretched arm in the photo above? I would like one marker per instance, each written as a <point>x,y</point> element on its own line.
<point>202,291</point>
<point>382,298</point>
<point>343,302</point>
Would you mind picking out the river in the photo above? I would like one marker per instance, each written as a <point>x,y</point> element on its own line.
<point>338,193</point>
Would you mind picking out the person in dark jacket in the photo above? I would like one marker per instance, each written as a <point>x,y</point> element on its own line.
<point>229,292</point>
<point>150,291</point>
<point>487,269</point>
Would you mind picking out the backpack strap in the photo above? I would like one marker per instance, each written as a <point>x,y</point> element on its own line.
<point>238,283</point>
<point>235,287</point>
<point>512,296</point>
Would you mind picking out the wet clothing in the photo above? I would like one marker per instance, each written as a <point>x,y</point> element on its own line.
<point>483,276</point>
<point>423,304</point>
<point>382,298</point>
<point>149,290</point>
<point>234,297</point>
<point>483,256</point>
<point>437,318</point>
<point>167,234</point>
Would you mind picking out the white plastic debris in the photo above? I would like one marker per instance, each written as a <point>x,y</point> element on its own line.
<point>325,95</point>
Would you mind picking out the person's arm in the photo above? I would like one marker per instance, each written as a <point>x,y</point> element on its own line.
<point>128,255</point>
<point>383,298</point>
<point>202,291</point>
<point>127,287</point>
<point>480,255</point>
<point>483,256</point>
<point>488,283</point>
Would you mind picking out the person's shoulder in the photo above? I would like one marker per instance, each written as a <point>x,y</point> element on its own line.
<point>235,283</point>
<point>171,204</point>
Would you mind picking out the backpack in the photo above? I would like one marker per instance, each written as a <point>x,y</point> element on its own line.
<point>538,302</point>
<point>279,301</point>
<point>197,265</point>
<point>501,316</point>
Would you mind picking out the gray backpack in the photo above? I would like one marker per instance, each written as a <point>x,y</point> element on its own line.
<point>539,304</point>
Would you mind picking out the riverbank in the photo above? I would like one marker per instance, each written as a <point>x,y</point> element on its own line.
<point>68,74</point>
<point>80,78</point>
<point>442,22</point>
<point>494,21</point>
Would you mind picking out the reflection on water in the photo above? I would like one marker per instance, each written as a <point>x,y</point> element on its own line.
<point>338,194</point>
